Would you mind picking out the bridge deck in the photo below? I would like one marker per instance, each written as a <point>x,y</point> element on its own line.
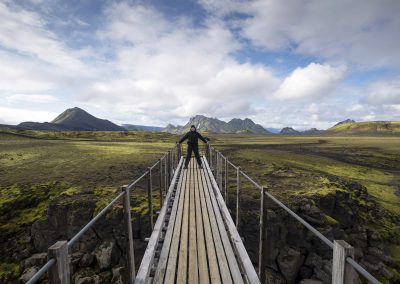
<point>195,246</point>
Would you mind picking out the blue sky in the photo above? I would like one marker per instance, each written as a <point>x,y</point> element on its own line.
<point>304,63</point>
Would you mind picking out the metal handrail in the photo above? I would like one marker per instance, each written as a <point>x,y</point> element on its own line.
<point>97,217</point>
<point>71,242</point>
<point>324,239</point>
<point>41,271</point>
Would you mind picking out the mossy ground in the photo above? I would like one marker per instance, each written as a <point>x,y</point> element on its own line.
<point>297,167</point>
<point>36,170</point>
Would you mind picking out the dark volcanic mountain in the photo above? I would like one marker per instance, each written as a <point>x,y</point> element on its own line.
<point>78,119</point>
<point>73,119</point>
<point>288,130</point>
<point>214,125</point>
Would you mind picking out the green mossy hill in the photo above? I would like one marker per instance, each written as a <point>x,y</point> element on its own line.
<point>367,128</point>
<point>134,136</point>
<point>21,205</point>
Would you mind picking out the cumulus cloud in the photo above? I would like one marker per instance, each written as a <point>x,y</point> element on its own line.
<point>312,81</point>
<point>33,98</point>
<point>150,68</point>
<point>358,31</point>
<point>26,32</point>
<point>170,69</point>
<point>11,115</point>
<point>385,92</point>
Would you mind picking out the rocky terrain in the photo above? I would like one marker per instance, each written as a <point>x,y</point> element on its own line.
<point>98,257</point>
<point>297,256</point>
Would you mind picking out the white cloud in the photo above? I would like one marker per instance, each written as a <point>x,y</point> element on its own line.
<point>384,92</point>
<point>11,115</point>
<point>312,81</point>
<point>358,31</point>
<point>169,70</point>
<point>33,98</point>
<point>25,32</point>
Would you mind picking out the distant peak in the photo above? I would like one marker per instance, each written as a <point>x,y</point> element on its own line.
<point>346,121</point>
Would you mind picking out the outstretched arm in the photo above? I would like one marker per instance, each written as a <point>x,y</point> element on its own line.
<point>183,138</point>
<point>202,138</point>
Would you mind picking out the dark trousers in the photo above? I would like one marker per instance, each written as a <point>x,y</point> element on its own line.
<point>192,148</point>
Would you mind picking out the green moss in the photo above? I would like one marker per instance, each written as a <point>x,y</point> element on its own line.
<point>395,251</point>
<point>23,205</point>
<point>6,267</point>
<point>71,191</point>
<point>329,220</point>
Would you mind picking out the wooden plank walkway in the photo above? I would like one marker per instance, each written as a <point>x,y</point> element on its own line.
<point>196,246</point>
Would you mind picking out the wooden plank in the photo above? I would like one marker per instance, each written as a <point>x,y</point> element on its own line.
<point>204,277</point>
<point>173,225</point>
<point>242,256</point>
<point>173,255</point>
<point>183,248</point>
<point>230,255</point>
<point>147,260</point>
<point>222,261</point>
<point>210,246</point>
<point>193,263</point>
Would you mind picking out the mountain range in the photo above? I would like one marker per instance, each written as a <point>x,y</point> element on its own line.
<point>76,119</point>
<point>214,125</point>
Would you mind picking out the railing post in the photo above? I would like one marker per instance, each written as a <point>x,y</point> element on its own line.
<point>165,175</point>
<point>179,152</point>
<point>342,272</point>
<point>226,181</point>
<point>211,160</point>
<point>237,198</point>
<point>129,240</point>
<point>160,180</point>
<point>217,168</point>
<point>262,250</point>
<point>59,272</point>
<point>220,172</point>
<point>150,196</point>
<point>168,167</point>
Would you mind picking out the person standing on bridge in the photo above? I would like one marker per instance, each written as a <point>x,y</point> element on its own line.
<point>193,145</point>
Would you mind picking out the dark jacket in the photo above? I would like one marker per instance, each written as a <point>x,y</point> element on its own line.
<point>193,138</point>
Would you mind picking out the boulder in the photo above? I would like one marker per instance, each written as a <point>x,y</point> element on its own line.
<point>274,277</point>
<point>37,259</point>
<point>327,204</point>
<point>28,274</point>
<point>107,255</point>
<point>87,276</point>
<point>64,218</point>
<point>305,272</point>
<point>314,260</point>
<point>322,275</point>
<point>119,275</point>
<point>289,262</point>
<point>310,281</point>
<point>86,260</point>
